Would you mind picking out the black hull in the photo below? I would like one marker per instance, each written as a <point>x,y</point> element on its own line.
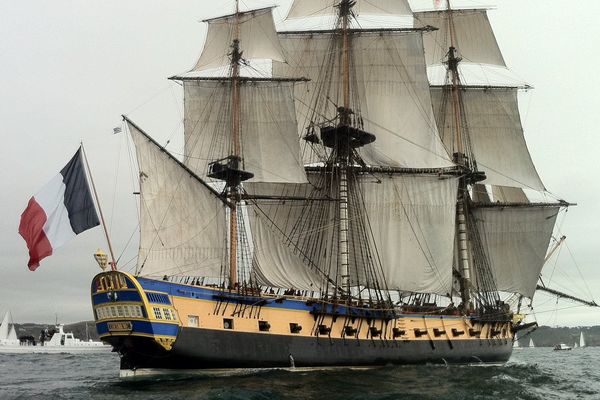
<point>212,349</point>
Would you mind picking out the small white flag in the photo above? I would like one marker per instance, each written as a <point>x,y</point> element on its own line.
<point>116,130</point>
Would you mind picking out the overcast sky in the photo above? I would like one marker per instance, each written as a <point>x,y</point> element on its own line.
<point>70,68</point>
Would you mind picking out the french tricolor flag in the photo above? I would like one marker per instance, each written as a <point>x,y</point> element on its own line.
<point>58,212</point>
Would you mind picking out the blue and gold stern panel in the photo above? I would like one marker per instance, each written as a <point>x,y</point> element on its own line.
<point>123,308</point>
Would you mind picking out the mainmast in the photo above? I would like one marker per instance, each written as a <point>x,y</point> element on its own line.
<point>344,150</point>
<point>233,186</point>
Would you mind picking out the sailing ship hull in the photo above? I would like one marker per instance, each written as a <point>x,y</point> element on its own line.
<point>209,329</point>
<point>212,349</point>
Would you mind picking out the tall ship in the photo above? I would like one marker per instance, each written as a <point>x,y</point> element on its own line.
<point>333,208</point>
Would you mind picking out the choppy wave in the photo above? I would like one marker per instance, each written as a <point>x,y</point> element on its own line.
<point>532,374</point>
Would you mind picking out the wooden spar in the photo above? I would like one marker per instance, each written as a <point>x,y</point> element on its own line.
<point>233,228</point>
<point>344,153</point>
<point>566,296</point>
<point>556,246</point>
<point>346,71</point>
<point>464,256</point>
<point>113,264</point>
<point>453,67</point>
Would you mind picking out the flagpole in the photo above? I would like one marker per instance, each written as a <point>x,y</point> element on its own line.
<point>113,264</point>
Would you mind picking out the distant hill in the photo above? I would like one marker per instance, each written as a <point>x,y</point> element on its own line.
<point>546,336</point>
<point>78,329</point>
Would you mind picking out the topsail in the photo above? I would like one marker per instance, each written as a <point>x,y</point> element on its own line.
<point>475,38</point>
<point>257,37</point>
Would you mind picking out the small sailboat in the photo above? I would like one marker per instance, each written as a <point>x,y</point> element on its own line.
<point>516,344</point>
<point>581,340</point>
<point>531,344</point>
<point>8,335</point>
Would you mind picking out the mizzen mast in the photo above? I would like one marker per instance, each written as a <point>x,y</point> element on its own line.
<point>233,185</point>
<point>229,169</point>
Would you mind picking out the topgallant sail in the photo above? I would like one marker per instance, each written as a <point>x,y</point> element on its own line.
<point>336,211</point>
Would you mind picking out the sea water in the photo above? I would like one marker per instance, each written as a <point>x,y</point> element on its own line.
<point>538,373</point>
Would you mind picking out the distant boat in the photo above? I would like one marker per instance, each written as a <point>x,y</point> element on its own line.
<point>516,343</point>
<point>575,345</point>
<point>581,340</point>
<point>8,335</point>
<point>531,344</point>
<point>58,341</point>
<point>562,346</point>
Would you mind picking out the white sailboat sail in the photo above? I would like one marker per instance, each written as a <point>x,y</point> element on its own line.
<point>12,334</point>
<point>581,340</point>
<point>4,326</point>
<point>531,344</point>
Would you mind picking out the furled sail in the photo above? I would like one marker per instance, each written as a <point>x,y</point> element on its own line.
<point>391,93</point>
<point>475,39</point>
<point>182,222</point>
<point>495,133</point>
<point>257,37</point>
<point>412,219</point>
<point>516,240</point>
<point>313,8</point>
<point>269,143</point>
<point>479,194</point>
